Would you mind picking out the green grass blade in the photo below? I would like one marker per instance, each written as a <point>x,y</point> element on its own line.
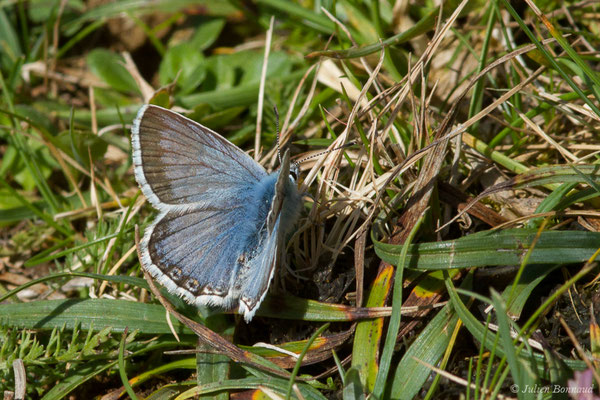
<point>490,248</point>
<point>90,313</point>
<point>317,21</point>
<point>291,307</point>
<point>424,25</point>
<point>478,330</point>
<point>394,326</point>
<point>211,367</point>
<point>121,364</point>
<point>552,59</point>
<point>532,276</point>
<point>76,377</point>
<point>278,385</point>
<point>296,369</point>
<point>522,374</point>
<point>36,260</point>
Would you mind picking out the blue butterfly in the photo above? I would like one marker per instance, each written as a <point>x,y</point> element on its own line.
<point>223,218</point>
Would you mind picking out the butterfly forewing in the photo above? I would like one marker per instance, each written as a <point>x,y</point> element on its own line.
<point>180,162</point>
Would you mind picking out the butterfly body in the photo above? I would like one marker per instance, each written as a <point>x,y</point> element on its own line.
<point>222,217</point>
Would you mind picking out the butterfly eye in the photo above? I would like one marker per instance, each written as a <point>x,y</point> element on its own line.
<point>294,170</point>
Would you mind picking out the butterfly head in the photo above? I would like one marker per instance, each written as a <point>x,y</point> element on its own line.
<point>294,171</point>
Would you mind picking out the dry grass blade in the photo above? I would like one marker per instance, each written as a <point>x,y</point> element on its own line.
<point>261,90</point>
<point>20,379</point>
<point>580,350</point>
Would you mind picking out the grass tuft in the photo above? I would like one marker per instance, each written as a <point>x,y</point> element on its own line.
<point>448,248</point>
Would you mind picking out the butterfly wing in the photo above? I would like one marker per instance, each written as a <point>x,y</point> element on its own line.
<point>257,275</point>
<point>180,163</point>
<point>206,191</point>
<point>196,254</point>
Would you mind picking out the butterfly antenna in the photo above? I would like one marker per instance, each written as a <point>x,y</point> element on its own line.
<point>351,143</point>
<point>277,130</point>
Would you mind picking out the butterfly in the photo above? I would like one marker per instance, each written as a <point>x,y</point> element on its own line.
<point>222,218</point>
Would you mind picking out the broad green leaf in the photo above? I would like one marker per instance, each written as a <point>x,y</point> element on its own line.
<point>429,346</point>
<point>109,97</point>
<point>9,160</point>
<point>77,144</point>
<point>251,65</point>
<point>41,11</point>
<point>110,10</point>
<point>353,389</point>
<point>207,33</point>
<point>38,119</point>
<point>109,67</point>
<point>184,65</point>
<point>42,165</point>
<point>8,201</point>
<point>367,339</point>
<point>219,119</point>
<point>161,98</point>
<point>234,96</point>
<point>222,71</point>
<point>219,98</point>
<point>532,276</point>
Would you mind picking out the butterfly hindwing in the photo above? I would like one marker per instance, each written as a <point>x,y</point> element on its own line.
<point>197,264</point>
<point>257,275</point>
<point>282,214</point>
